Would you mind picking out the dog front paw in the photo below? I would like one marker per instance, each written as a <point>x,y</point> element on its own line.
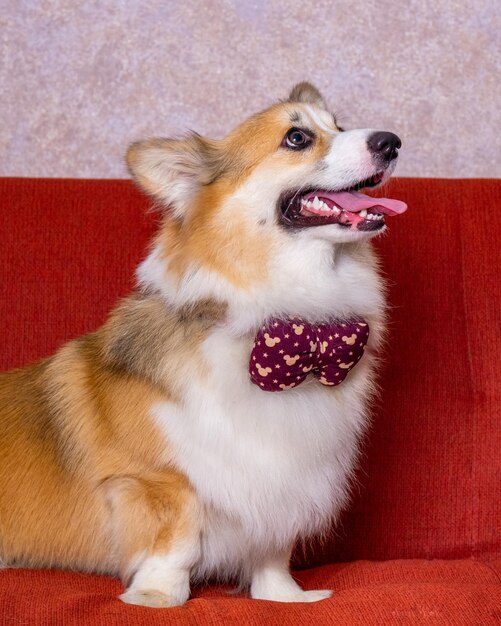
<point>314,595</point>
<point>292,595</point>
<point>150,597</point>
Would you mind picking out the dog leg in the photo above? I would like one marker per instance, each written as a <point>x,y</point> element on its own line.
<point>273,581</point>
<point>156,527</point>
<point>163,579</point>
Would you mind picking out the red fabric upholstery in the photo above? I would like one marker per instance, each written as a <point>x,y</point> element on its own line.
<point>430,482</point>
<point>394,593</point>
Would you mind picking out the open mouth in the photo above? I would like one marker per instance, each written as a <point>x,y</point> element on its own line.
<point>347,207</point>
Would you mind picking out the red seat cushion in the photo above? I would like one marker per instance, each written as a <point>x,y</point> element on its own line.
<point>367,593</point>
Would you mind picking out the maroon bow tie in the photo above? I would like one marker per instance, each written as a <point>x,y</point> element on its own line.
<point>286,351</point>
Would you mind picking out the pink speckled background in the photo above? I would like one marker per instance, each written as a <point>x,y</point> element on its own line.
<point>79,81</point>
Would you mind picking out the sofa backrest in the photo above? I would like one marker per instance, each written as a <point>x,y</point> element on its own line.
<point>430,480</point>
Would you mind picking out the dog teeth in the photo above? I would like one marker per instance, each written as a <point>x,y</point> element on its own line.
<point>319,205</point>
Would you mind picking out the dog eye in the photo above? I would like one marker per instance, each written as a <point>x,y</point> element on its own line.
<point>296,139</point>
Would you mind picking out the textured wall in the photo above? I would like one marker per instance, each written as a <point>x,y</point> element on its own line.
<point>80,80</point>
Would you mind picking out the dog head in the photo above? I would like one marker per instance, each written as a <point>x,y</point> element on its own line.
<point>290,165</point>
<point>288,173</point>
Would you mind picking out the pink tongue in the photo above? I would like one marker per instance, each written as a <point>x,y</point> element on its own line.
<point>354,202</point>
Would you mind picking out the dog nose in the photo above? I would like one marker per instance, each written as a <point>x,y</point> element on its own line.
<point>385,144</point>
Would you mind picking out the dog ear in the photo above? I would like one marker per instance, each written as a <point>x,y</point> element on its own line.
<point>307,93</point>
<point>172,170</point>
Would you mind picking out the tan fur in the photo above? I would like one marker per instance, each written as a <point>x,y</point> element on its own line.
<point>149,512</point>
<point>238,254</point>
<point>81,463</point>
<point>241,255</point>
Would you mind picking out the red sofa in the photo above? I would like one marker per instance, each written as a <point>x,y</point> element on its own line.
<point>421,543</point>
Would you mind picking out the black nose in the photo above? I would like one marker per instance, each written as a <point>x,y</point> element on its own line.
<point>384,144</point>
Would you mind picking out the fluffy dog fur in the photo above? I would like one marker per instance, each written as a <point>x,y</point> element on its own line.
<point>143,450</point>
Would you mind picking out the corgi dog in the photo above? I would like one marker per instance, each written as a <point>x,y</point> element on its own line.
<point>173,445</point>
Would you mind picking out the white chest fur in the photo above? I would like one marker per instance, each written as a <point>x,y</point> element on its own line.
<point>272,467</point>
<point>269,467</point>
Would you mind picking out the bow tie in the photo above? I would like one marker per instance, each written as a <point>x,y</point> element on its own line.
<point>286,351</point>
